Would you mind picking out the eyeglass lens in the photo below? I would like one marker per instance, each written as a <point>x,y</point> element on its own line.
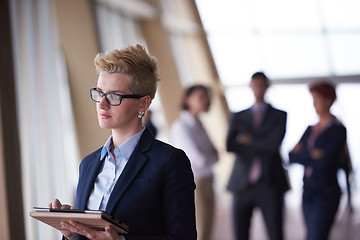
<point>111,98</point>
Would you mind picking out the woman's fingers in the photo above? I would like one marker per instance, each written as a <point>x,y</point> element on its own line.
<point>81,229</point>
<point>111,232</point>
<point>66,206</point>
<point>55,204</point>
<point>88,232</point>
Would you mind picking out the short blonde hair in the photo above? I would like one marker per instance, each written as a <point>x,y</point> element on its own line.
<point>141,67</point>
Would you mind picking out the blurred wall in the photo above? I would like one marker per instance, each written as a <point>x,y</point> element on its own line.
<point>77,36</point>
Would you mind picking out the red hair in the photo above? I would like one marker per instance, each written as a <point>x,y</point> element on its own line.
<point>325,89</point>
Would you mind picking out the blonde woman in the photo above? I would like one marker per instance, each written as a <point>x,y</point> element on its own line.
<point>137,179</point>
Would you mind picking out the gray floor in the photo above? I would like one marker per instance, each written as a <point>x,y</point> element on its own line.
<point>347,226</point>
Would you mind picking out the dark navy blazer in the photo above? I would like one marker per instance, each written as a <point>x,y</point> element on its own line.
<point>324,170</point>
<point>322,193</point>
<point>266,141</point>
<point>154,195</point>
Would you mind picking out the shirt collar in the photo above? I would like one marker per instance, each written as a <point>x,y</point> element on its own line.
<point>259,107</point>
<point>125,149</point>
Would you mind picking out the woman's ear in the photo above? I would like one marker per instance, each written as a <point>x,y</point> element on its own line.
<point>145,103</point>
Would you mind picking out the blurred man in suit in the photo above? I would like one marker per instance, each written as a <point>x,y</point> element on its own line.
<point>258,178</point>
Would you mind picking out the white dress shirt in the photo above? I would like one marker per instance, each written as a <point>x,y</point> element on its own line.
<point>111,171</point>
<point>188,134</point>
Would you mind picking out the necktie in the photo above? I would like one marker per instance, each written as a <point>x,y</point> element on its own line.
<point>257,116</point>
<point>255,169</point>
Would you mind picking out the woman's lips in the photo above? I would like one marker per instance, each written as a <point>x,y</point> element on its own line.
<point>104,116</point>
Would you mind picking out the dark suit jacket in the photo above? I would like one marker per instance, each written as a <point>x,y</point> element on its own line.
<point>324,170</point>
<point>154,195</point>
<point>266,141</point>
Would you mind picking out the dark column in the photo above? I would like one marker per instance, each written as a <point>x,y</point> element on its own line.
<point>10,156</point>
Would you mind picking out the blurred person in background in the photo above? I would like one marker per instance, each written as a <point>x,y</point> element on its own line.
<point>322,150</point>
<point>258,178</point>
<point>188,133</point>
<point>147,122</point>
<point>135,178</point>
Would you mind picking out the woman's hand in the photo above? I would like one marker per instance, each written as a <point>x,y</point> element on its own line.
<point>317,153</point>
<point>71,228</point>
<point>244,139</point>
<point>58,205</point>
<point>298,148</point>
<point>75,227</point>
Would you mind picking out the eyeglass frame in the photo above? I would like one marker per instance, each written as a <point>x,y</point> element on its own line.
<point>121,96</point>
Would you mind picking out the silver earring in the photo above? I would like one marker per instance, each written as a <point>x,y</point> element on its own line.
<point>141,114</point>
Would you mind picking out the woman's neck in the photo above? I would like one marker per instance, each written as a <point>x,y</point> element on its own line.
<point>193,113</point>
<point>120,136</point>
<point>324,120</point>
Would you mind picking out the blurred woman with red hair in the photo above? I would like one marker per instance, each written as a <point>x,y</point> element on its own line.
<point>321,150</point>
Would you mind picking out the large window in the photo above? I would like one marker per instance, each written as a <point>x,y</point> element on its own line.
<point>49,148</point>
<point>286,39</point>
<point>293,42</point>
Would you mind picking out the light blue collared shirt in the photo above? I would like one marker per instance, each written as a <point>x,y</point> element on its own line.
<point>111,171</point>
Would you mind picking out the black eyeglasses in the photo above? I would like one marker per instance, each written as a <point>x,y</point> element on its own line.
<point>113,99</point>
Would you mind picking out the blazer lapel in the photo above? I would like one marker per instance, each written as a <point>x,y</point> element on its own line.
<point>91,173</point>
<point>131,170</point>
<point>248,117</point>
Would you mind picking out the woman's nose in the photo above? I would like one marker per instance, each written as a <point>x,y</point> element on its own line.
<point>103,104</point>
